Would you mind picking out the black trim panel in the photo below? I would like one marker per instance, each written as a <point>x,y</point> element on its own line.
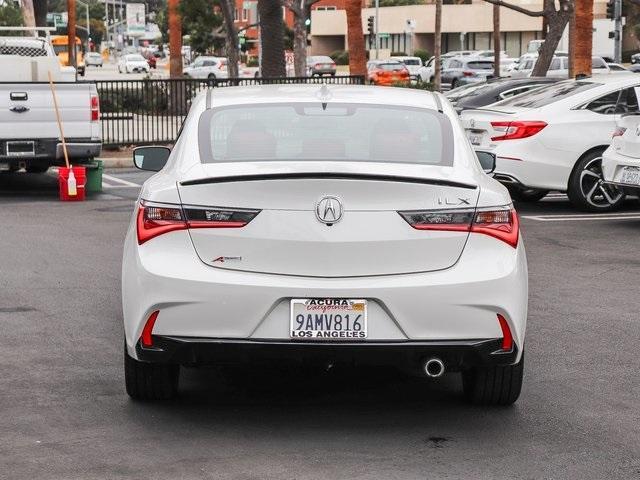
<point>323,175</point>
<point>407,355</point>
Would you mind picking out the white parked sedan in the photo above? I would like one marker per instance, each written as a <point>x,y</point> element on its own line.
<point>327,224</point>
<point>133,63</point>
<point>552,138</point>
<point>211,68</point>
<point>621,161</point>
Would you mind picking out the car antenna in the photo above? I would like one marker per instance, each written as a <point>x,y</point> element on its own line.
<point>324,94</point>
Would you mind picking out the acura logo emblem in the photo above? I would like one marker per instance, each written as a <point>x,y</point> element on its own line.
<point>329,210</point>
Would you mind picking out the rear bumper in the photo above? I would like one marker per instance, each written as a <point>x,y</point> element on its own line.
<point>51,150</point>
<point>409,356</point>
<point>197,301</point>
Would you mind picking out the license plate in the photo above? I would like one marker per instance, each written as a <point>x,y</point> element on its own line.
<point>328,319</point>
<point>20,149</point>
<point>630,176</point>
<point>475,138</point>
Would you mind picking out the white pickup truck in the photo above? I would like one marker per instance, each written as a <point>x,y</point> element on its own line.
<point>29,133</point>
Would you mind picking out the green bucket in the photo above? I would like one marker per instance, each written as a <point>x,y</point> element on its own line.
<point>94,177</point>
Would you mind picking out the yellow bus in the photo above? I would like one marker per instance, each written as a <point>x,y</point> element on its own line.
<point>60,43</point>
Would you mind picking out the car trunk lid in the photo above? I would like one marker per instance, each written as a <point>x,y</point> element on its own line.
<point>295,233</point>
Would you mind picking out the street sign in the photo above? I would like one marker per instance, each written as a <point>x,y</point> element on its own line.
<point>58,19</point>
<point>135,19</point>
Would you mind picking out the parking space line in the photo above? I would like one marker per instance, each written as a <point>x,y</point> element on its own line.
<point>583,217</point>
<point>120,181</point>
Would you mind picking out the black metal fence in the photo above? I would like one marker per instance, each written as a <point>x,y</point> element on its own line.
<point>139,112</point>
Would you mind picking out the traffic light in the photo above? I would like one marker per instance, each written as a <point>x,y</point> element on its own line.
<point>611,9</point>
<point>371,25</point>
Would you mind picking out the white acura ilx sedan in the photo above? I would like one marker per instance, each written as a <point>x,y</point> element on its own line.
<point>307,223</point>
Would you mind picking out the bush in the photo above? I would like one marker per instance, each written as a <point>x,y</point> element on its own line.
<point>253,62</point>
<point>418,86</point>
<point>423,54</point>
<point>341,57</point>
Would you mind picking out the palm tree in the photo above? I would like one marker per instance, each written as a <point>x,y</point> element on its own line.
<point>175,39</point>
<point>496,40</point>
<point>437,47</point>
<point>272,38</point>
<point>583,33</point>
<point>355,38</point>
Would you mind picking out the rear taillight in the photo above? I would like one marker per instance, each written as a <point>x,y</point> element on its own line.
<point>618,132</point>
<point>95,108</point>
<point>515,130</point>
<point>202,217</point>
<point>468,74</point>
<point>156,219</point>
<point>500,223</point>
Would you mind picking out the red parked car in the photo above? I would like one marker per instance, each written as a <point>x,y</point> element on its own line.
<point>387,72</point>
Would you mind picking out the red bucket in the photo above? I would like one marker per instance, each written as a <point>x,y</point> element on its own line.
<point>80,175</point>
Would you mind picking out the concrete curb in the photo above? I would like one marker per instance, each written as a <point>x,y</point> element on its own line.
<point>117,162</point>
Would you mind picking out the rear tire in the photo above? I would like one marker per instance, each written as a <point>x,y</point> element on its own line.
<point>493,385</point>
<point>454,84</point>
<point>37,168</point>
<point>150,381</point>
<point>527,195</point>
<point>586,189</point>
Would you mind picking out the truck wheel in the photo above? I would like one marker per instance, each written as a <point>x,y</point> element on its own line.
<point>587,191</point>
<point>493,385</point>
<point>37,168</point>
<point>150,381</point>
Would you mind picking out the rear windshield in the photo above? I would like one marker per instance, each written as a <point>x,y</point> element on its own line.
<point>338,132</point>
<point>480,65</point>
<point>390,66</point>
<point>320,59</point>
<point>411,61</point>
<point>540,97</point>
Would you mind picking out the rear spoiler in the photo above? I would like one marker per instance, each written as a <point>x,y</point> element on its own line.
<point>325,175</point>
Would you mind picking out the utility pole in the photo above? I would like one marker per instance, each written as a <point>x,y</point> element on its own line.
<point>618,31</point>
<point>377,29</point>
<point>175,39</point>
<point>71,32</point>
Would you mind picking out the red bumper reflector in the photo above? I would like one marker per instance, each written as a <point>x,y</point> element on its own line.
<point>507,338</point>
<point>146,338</point>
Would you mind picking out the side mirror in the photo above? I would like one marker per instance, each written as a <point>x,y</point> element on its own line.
<point>151,158</point>
<point>487,161</point>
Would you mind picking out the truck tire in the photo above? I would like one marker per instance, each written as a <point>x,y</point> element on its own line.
<point>493,385</point>
<point>150,381</point>
<point>37,168</point>
<point>586,189</point>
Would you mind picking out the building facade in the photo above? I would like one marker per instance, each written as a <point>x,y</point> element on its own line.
<point>407,28</point>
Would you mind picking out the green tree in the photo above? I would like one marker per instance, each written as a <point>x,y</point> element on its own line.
<point>201,22</point>
<point>10,15</point>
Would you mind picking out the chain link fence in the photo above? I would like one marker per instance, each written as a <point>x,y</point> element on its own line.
<point>139,112</point>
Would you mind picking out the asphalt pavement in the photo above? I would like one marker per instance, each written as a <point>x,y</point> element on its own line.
<point>65,414</point>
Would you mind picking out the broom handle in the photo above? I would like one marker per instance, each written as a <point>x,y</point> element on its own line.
<point>58,119</point>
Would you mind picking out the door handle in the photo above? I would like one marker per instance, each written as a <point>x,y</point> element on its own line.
<point>19,109</point>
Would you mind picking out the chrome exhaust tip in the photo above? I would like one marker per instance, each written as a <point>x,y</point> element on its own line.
<point>434,368</point>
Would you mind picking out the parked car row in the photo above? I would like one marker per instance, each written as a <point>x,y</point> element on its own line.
<point>553,138</point>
